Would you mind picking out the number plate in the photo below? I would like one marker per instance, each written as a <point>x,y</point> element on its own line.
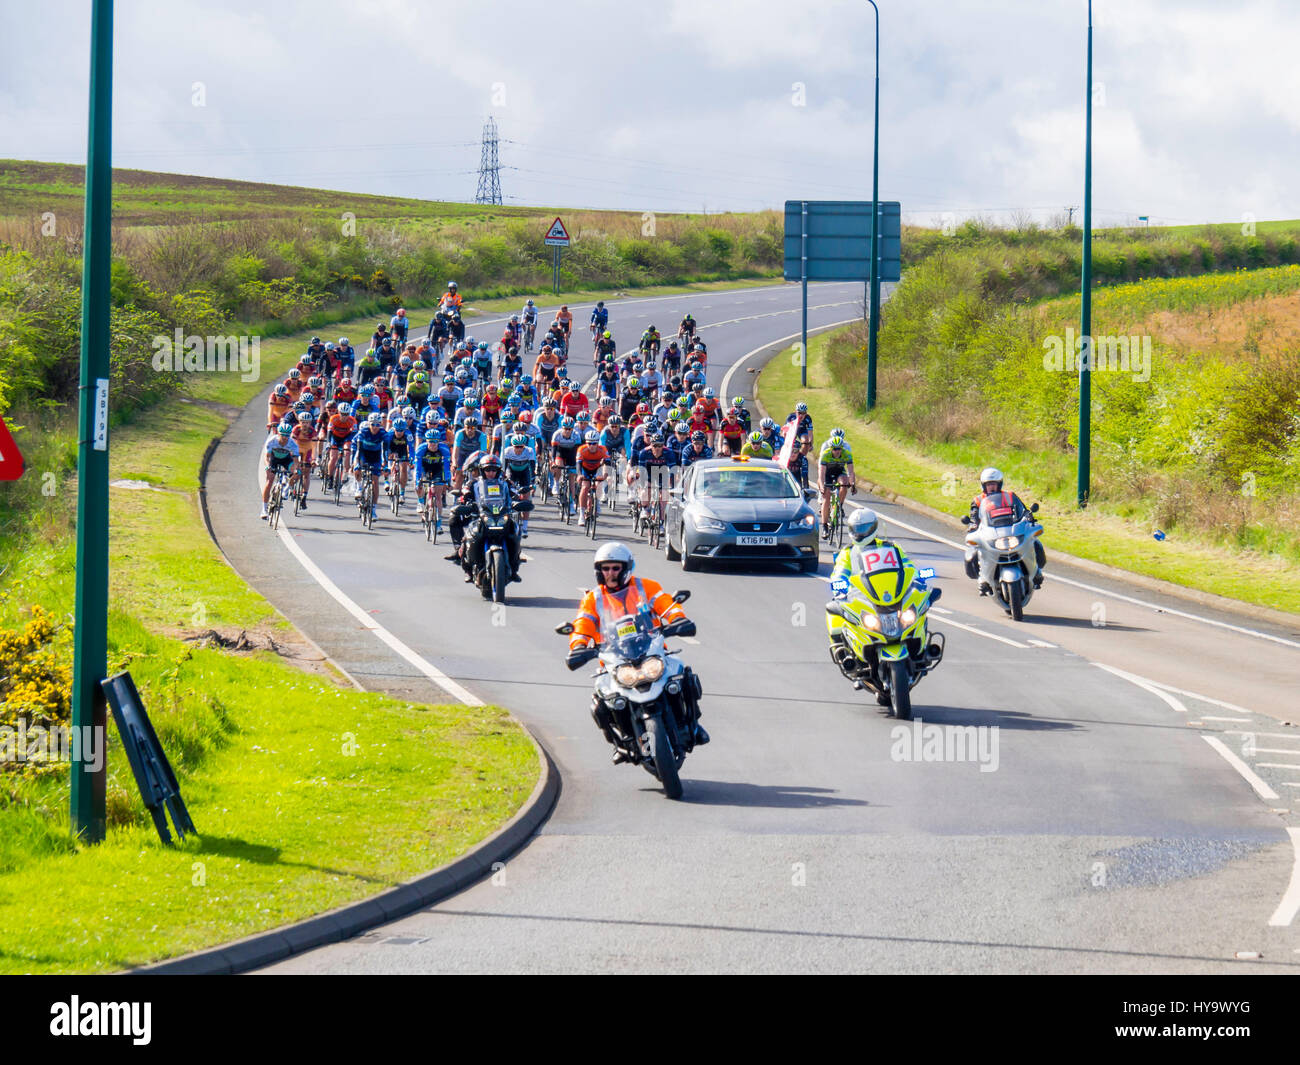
<point>756,541</point>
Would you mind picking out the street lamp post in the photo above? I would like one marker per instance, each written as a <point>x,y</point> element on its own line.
<point>873,326</point>
<point>1085,316</point>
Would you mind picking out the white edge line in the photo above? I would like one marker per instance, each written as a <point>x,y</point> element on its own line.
<point>1290,904</point>
<point>432,672</point>
<point>1042,643</point>
<point>1145,685</point>
<point>1117,595</point>
<point>1261,789</point>
<point>726,380</point>
<point>990,635</point>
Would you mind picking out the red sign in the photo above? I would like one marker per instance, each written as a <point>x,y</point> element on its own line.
<point>11,460</point>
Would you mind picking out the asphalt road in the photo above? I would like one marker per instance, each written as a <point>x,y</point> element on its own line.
<point>1107,835</point>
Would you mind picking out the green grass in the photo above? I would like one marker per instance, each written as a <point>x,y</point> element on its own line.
<point>944,476</point>
<point>290,823</point>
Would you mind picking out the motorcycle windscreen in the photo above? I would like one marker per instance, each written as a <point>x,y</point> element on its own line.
<point>628,635</point>
<point>880,573</point>
<point>997,510</point>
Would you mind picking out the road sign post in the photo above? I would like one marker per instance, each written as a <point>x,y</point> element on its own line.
<point>843,240</point>
<point>558,238</point>
<point>1085,310</point>
<point>90,637</point>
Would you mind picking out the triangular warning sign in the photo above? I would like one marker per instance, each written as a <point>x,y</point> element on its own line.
<point>11,460</point>
<point>557,231</point>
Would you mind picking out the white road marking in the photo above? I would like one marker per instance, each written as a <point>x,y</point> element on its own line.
<point>726,380</point>
<point>1290,904</point>
<point>1277,765</point>
<point>689,639</point>
<point>1211,717</point>
<point>1115,595</point>
<point>1277,750</point>
<point>940,610</point>
<point>991,636</point>
<point>1041,643</point>
<point>1146,685</point>
<point>1261,789</point>
<point>1290,784</point>
<point>436,675</point>
<point>1271,735</point>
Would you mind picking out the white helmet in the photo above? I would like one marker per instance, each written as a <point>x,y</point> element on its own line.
<point>990,473</point>
<point>863,524</point>
<point>615,552</point>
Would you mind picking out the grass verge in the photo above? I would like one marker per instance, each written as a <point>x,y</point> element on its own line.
<point>307,794</point>
<point>946,478</point>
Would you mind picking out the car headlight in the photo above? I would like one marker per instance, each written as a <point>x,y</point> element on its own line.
<point>629,676</point>
<point>706,524</point>
<point>1006,543</point>
<point>807,521</point>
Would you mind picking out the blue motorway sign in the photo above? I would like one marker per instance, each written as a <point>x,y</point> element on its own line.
<point>838,236</point>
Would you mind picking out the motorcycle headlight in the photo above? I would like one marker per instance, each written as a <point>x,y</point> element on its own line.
<point>908,617</point>
<point>652,669</point>
<point>629,676</point>
<point>707,524</point>
<point>870,621</point>
<point>1006,543</point>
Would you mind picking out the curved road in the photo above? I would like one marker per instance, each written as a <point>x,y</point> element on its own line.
<point>1099,830</point>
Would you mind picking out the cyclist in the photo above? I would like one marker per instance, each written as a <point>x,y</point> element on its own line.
<point>633,397</point>
<point>693,377</point>
<point>649,345</point>
<point>564,445</point>
<point>756,447</point>
<point>339,433</point>
<point>739,403</point>
<point>599,319</point>
<point>605,346</point>
<point>295,383</point>
<point>369,446</point>
<point>564,319</point>
<point>347,357</point>
<point>834,465</point>
<point>732,432</point>
<point>432,465</point>
<point>591,463</point>
<point>574,400</point>
<point>547,366</point>
<point>657,468</point>
<point>526,393</point>
<point>672,359</point>
<point>548,421</point>
<point>281,452</point>
<point>519,461</point>
<point>528,320</point>
<point>800,423</point>
<point>315,350</point>
<point>686,330</point>
<point>451,299</point>
<point>468,441</point>
<point>651,381</point>
<point>279,404</point>
<point>397,445</point>
<point>368,367</point>
<point>399,325</point>
<point>607,380</point>
<point>304,435</point>
<point>697,449</point>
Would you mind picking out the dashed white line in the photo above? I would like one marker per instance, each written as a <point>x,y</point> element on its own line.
<point>990,635</point>
<point>1211,717</point>
<point>1261,789</point>
<point>1290,904</point>
<point>1041,643</point>
<point>1270,735</point>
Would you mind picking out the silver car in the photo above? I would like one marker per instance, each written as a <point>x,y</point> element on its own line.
<point>736,510</point>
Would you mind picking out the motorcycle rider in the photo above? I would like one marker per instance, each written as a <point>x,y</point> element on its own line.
<point>618,594</point>
<point>864,527</point>
<point>490,489</point>
<point>991,492</point>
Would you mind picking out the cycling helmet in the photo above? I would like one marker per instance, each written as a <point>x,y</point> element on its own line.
<point>738,401</point>
<point>527,379</point>
<point>643,408</point>
<point>294,374</point>
<point>367,390</point>
<point>592,437</point>
<point>697,437</point>
<point>733,412</point>
<point>404,362</point>
<point>519,440</point>
<point>993,474</point>
<point>756,438</point>
<point>709,393</point>
<point>514,319</point>
<point>451,285</point>
<point>375,418</point>
<point>526,416</point>
<point>607,334</point>
<point>315,340</point>
<point>566,423</point>
<point>682,428</point>
<point>343,342</point>
<point>329,346</point>
<point>305,418</point>
<point>863,524</point>
<point>345,410</point>
<point>471,402</point>
<point>282,389</point>
<point>431,436</point>
<point>285,428</point>
<point>482,345</point>
<point>470,422</point>
<point>530,303</point>
<point>634,382</point>
<point>548,403</point>
<point>600,303</point>
<point>409,412</point>
<point>615,420</point>
<point>801,408</point>
<point>615,552</point>
<point>767,423</point>
<point>657,440</point>
<point>837,431</point>
<point>583,416</point>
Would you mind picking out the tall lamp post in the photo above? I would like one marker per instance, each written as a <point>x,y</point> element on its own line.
<point>1085,316</point>
<point>873,326</point>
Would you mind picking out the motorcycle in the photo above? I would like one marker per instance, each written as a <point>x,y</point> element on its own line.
<point>879,634</point>
<point>649,701</point>
<point>498,522</point>
<point>1002,552</point>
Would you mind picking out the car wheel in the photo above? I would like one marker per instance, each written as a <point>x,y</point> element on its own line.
<point>670,552</point>
<point>689,564</point>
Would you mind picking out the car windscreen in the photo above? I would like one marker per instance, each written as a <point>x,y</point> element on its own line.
<point>740,482</point>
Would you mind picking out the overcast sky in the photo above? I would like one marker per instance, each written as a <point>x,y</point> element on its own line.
<point>688,104</point>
